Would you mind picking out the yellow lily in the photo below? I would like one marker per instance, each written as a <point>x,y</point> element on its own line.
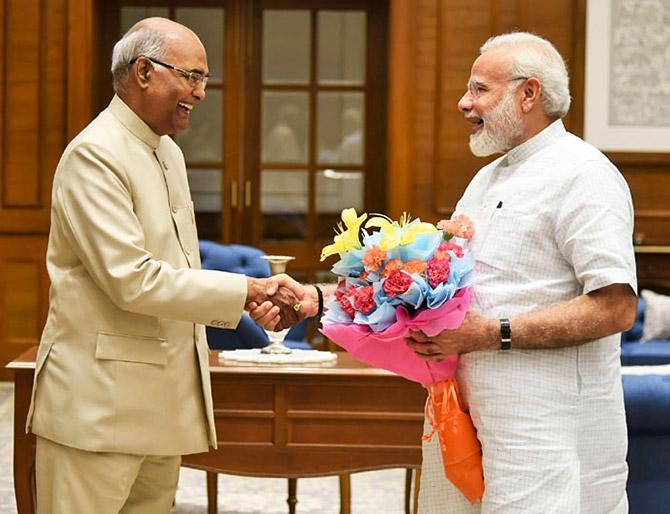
<point>399,233</point>
<point>347,238</point>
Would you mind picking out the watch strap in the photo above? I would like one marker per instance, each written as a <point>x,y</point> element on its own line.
<point>505,334</point>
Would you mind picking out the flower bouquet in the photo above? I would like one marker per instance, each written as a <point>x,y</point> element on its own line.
<point>397,276</point>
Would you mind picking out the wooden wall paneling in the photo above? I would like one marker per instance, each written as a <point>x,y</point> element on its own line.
<point>23,295</point>
<point>401,111</point>
<point>650,187</point>
<point>2,95</point>
<point>504,16</point>
<point>648,176</point>
<point>53,101</point>
<point>423,128</point>
<point>575,119</point>
<point>556,21</point>
<point>81,56</point>
<point>32,111</point>
<point>21,116</point>
<point>463,27</point>
<point>33,56</point>
<point>653,271</point>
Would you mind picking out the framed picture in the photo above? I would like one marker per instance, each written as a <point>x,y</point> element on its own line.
<point>627,79</point>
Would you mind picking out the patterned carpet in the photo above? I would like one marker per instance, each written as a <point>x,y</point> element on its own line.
<point>372,492</point>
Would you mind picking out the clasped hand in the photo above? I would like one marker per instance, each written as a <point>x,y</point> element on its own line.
<point>279,302</point>
<point>475,333</point>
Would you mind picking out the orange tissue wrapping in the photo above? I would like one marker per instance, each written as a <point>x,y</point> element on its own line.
<point>460,448</point>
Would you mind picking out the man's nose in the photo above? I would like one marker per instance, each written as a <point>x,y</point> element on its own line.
<point>199,91</point>
<point>465,103</point>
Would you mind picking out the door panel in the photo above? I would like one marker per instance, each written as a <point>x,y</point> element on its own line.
<point>321,102</point>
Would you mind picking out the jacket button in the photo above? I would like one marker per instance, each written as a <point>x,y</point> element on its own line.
<point>174,209</point>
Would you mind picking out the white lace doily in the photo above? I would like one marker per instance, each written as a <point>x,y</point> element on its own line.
<point>254,356</point>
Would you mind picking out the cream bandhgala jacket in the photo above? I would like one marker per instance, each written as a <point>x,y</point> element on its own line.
<point>122,364</point>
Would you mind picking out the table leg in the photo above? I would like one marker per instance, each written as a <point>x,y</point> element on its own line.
<point>292,499</point>
<point>345,494</point>
<point>408,490</point>
<point>417,487</point>
<point>212,492</point>
<point>24,447</point>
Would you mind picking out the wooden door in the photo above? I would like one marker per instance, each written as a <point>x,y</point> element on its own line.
<point>318,143</point>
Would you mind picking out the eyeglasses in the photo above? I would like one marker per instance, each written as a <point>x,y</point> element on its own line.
<point>194,78</point>
<point>477,89</point>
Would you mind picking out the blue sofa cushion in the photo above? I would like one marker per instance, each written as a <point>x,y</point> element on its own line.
<point>645,354</point>
<point>637,353</point>
<point>647,399</point>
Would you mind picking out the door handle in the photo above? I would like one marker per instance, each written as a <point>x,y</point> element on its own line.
<point>247,193</point>
<point>233,194</point>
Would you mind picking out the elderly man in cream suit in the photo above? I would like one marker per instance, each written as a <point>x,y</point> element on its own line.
<point>122,381</point>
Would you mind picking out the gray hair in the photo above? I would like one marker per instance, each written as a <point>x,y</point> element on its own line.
<point>536,57</point>
<point>146,42</point>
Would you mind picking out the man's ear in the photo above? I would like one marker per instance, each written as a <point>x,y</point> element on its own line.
<point>143,71</point>
<point>532,90</point>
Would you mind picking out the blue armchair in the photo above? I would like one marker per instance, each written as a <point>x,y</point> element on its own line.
<point>246,260</point>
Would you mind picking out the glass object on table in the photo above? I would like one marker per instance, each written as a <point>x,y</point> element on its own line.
<point>278,265</point>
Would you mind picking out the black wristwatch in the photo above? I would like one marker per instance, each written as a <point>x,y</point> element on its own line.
<point>505,334</point>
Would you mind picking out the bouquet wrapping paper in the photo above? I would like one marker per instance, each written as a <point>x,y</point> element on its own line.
<point>409,276</point>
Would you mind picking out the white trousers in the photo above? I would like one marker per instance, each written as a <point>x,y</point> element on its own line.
<point>73,481</point>
<point>553,434</point>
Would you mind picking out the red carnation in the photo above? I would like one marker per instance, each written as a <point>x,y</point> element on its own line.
<point>397,283</point>
<point>342,296</point>
<point>363,300</point>
<point>437,271</point>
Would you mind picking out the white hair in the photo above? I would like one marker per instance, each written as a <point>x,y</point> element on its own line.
<point>534,56</point>
<point>134,43</point>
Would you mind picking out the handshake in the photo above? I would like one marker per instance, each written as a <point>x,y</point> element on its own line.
<point>279,302</point>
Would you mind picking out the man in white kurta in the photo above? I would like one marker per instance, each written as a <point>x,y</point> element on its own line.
<point>553,247</point>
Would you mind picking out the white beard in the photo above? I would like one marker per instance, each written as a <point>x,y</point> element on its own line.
<point>501,127</point>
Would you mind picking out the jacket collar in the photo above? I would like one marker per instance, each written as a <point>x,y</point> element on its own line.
<point>133,122</point>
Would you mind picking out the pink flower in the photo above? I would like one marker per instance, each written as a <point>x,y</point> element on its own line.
<point>445,246</point>
<point>397,283</point>
<point>437,271</point>
<point>390,267</point>
<point>363,300</point>
<point>373,258</point>
<point>458,226</point>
